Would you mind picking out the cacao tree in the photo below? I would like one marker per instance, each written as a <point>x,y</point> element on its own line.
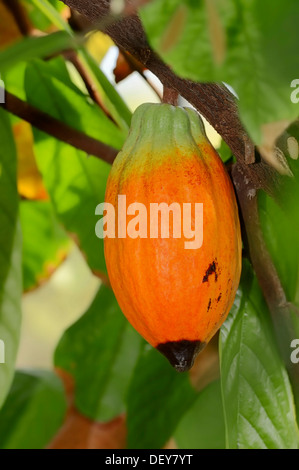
<point>63,123</point>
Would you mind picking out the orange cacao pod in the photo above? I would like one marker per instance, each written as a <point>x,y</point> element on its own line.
<point>175,297</point>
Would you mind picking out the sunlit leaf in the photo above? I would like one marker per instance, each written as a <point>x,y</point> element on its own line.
<point>98,45</point>
<point>45,244</point>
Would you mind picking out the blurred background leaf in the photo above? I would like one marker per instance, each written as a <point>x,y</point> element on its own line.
<point>75,183</point>
<point>100,351</point>
<point>45,244</point>
<point>202,426</point>
<point>33,411</point>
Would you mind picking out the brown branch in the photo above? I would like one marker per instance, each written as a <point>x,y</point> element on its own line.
<point>58,129</point>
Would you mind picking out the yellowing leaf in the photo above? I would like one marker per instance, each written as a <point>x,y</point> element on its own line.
<point>30,183</point>
<point>98,44</point>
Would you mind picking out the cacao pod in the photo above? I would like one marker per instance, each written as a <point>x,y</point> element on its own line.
<point>176,298</point>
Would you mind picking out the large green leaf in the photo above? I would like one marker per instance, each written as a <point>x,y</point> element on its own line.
<point>10,257</point>
<point>100,351</point>
<point>249,44</point>
<point>158,397</point>
<point>45,244</point>
<point>257,398</point>
<point>111,99</point>
<point>33,412</point>
<point>202,427</point>
<point>75,183</point>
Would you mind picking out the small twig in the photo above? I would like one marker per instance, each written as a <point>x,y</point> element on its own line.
<point>58,129</point>
<point>138,67</point>
<point>73,57</point>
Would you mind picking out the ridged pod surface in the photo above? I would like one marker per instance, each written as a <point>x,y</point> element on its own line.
<point>176,298</point>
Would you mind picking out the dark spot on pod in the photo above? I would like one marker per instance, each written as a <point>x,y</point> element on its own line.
<point>181,354</point>
<point>211,270</point>
<point>209,304</point>
<point>219,297</point>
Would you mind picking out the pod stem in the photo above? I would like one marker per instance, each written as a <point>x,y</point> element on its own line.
<point>170,96</point>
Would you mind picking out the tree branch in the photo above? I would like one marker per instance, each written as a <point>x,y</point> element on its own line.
<point>212,100</point>
<point>58,129</point>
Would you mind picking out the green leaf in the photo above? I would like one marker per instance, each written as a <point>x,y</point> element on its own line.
<point>225,153</point>
<point>45,244</point>
<point>30,48</point>
<point>158,397</point>
<point>10,258</point>
<point>257,398</point>
<point>280,225</point>
<point>111,99</point>
<point>100,351</point>
<point>75,183</point>
<point>33,412</point>
<point>202,426</point>
<point>237,42</point>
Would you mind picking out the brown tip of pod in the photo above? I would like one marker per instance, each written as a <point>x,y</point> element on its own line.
<point>181,354</point>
